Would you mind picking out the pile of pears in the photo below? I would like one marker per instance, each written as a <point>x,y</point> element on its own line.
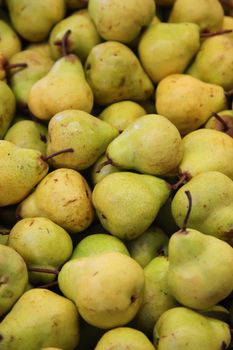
<point>116,174</point>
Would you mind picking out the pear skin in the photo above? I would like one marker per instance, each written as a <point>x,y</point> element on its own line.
<point>7,107</point>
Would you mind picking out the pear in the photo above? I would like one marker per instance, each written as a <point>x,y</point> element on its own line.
<point>98,243</point>
<point>157,297</point>
<point>124,77</point>
<point>207,150</point>
<point>228,24</point>
<point>28,134</point>
<point>73,210</point>
<point>187,101</point>
<point>21,170</point>
<point>7,107</point>
<point>217,311</point>
<point>222,121</point>
<point>83,36</point>
<point>121,114</point>
<point>10,43</point>
<point>124,338</point>
<point>121,21</point>
<point>183,329</point>
<point>208,14</point>
<point>98,172</point>
<point>13,278</point>
<point>105,297</point>
<point>151,145</point>
<point>212,194</point>
<point>86,134</point>
<point>168,48</point>
<point>33,20</point>
<point>38,65</point>
<point>213,63</point>
<point>42,244</point>
<point>200,269</point>
<point>127,203</point>
<point>64,87</point>
<point>39,319</point>
<point>147,246</point>
<point>165,218</point>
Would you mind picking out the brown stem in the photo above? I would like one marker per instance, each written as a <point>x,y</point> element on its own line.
<point>64,43</point>
<point>67,150</point>
<point>15,65</point>
<point>185,223</point>
<point>101,165</point>
<point>181,180</point>
<point>48,285</point>
<point>209,34</point>
<point>225,127</point>
<point>43,270</point>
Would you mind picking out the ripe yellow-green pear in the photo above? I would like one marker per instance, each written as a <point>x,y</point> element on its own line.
<point>42,244</point>
<point>184,329</point>
<point>10,43</point>
<point>33,20</point>
<point>63,87</point>
<point>124,338</point>
<point>121,114</point>
<point>127,203</point>
<point>208,14</point>
<point>21,170</point>
<point>13,278</point>
<point>83,36</point>
<point>225,123</point>
<point>98,172</point>
<point>124,77</point>
<point>39,319</point>
<point>87,135</point>
<point>107,288</point>
<point>73,210</point>
<point>187,101</point>
<point>168,48</point>
<point>7,107</point>
<point>121,21</point>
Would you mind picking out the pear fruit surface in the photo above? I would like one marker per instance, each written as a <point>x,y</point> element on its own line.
<point>10,43</point>
<point>7,107</point>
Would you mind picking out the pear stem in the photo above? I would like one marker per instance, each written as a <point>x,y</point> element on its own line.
<point>102,165</point>
<point>209,34</point>
<point>15,65</point>
<point>67,150</point>
<point>185,223</point>
<point>48,285</point>
<point>224,124</point>
<point>64,43</point>
<point>181,180</point>
<point>43,270</point>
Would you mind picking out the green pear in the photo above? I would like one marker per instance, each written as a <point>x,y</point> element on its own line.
<point>212,195</point>
<point>208,14</point>
<point>121,114</point>
<point>225,123</point>
<point>4,235</point>
<point>33,20</point>
<point>105,297</point>
<point>21,170</point>
<point>7,107</point>
<point>73,210</point>
<point>40,318</point>
<point>38,65</point>
<point>124,77</point>
<point>207,150</point>
<point>200,269</point>
<point>42,244</point>
<point>127,203</point>
<point>157,297</point>
<point>87,135</point>
<point>213,63</point>
<point>10,43</point>
<point>168,48</point>
<point>13,278</point>
<point>148,245</point>
<point>83,36</point>
<point>98,172</point>
<point>64,87</point>
<point>124,338</point>
<point>28,134</point>
<point>184,329</point>
<point>187,101</point>
<point>121,21</point>
<point>98,243</point>
<point>151,145</point>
